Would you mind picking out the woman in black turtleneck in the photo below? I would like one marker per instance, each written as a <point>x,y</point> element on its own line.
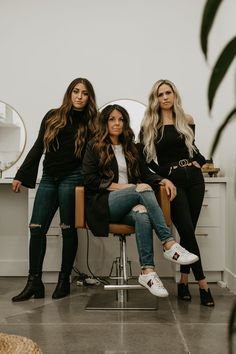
<point>62,137</point>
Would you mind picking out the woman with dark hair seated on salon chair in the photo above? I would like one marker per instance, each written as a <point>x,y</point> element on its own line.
<point>115,179</point>
<point>167,134</point>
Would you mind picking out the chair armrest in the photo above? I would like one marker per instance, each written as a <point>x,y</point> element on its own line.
<point>164,203</point>
<point>79,207</point>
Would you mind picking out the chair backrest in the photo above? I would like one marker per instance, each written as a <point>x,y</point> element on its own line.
<point>80,222</point>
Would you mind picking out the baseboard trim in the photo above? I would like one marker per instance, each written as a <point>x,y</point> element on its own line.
<point>230,279</point>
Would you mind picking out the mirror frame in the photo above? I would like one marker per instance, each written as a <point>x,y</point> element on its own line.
<point>117,101</point>
<point>25,136</point>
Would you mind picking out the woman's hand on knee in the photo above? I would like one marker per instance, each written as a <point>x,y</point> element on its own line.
<point>170,188</point>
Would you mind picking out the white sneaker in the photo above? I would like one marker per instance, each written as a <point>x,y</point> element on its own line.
<point>152,282</point>
<point>180,255</point>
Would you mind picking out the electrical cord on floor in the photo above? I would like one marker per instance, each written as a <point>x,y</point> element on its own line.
<point>84,279</point>
<point>102,280</point>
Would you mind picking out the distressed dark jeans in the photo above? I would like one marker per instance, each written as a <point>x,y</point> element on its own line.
<point>54,193</point>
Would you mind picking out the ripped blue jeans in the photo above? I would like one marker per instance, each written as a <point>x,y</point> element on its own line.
<point>140,209</point>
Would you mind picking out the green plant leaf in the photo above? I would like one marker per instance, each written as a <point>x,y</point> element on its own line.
<point>219,132</point>
<point>220,68</point>
<point>208,17</point>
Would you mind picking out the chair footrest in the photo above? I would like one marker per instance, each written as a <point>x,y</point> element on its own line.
<point>123,287</point>
<point>120,278</point>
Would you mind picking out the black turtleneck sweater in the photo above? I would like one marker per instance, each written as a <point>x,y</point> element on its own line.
<point>60,160</point>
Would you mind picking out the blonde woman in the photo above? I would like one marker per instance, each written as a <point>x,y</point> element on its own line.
<point>167,136</point>
<point>62,138</point>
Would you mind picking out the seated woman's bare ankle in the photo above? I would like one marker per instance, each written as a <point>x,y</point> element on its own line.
<point>147,270</point>
<point>167,245</point>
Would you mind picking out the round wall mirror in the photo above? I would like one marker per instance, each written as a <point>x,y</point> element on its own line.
<point>136,112</point>
<point>12,136</point>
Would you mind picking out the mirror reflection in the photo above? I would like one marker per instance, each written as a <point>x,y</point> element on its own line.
<point>136,112</point>
<point>12,136</point>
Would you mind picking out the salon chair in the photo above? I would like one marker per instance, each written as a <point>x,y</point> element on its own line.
<point>123,280</point>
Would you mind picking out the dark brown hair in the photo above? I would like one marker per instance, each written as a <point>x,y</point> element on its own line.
<point>59,116</point>
<point>103,142</point>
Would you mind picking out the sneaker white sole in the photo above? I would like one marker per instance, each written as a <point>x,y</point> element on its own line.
<point>195,259</point>
<point>162,293</point>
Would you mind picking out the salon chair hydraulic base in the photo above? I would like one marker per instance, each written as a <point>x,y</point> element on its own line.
<point>122,293</point>
<point>137,301</point>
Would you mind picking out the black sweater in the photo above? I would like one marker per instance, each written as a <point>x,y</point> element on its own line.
<point>57,162</point>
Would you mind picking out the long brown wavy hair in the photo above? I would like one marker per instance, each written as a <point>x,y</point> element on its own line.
<point>59,117</point>
<point>103,143</point>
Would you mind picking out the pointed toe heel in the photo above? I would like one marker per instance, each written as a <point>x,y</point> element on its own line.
<point>34,288</point>
<point>206,298</point>
<point>183,292</point>
<point>63,286</point>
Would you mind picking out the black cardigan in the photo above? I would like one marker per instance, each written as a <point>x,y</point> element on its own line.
<point>96,184</point>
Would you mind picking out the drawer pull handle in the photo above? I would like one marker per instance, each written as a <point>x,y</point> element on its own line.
<point>205,235</point>
<point>205,205</point>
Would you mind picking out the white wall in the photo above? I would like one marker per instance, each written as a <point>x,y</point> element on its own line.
<point>123,47</point>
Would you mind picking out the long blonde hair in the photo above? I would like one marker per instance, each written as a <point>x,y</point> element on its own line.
<point>152,122</point>
<point>59,117</point>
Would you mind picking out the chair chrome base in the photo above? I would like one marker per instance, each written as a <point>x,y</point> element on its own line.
<point>117,298</point>
<point>138,301</point>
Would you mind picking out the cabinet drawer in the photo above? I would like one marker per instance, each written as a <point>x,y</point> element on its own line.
<point>210,214</point>
<point>211,245</point>
<point>212,190</point>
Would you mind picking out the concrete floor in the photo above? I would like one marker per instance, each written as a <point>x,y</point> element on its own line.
<point>64,326</point>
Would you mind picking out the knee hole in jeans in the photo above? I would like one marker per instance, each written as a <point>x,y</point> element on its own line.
<point>64,226</point>
<point>139,208</point>
<point>143,187</point>
<point>34,226</point>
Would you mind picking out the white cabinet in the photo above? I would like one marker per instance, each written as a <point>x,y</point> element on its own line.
<point>13,230</point>
<point>211,229</point>
<point>15,214</point>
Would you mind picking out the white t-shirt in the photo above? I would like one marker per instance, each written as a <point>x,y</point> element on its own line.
<point>122,167</point>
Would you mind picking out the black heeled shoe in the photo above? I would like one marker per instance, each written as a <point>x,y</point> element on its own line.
<point>34,287</point>
<point>63,286</point>
<point>183,292</point>
<point>206,297</point>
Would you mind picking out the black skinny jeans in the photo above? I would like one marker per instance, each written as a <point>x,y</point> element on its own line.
<point>185,210</point>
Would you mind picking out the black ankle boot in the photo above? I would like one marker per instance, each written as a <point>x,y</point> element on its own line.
<point>206,297</point>
<point>183,292</point>
<point>63,286</point>
<point>34,287</point>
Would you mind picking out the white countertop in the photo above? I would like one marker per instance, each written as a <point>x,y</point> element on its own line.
<point>6,180</point>
<point>207,179</point>
<point>216,179</point>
